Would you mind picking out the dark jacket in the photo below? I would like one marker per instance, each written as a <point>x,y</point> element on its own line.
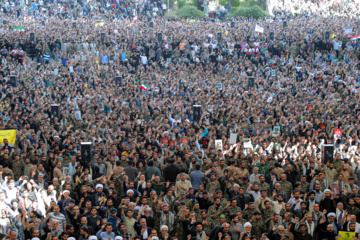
<point>138,230</point>
<point>246,199</point>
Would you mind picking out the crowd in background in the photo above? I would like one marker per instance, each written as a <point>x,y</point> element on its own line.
<point>250,166</point>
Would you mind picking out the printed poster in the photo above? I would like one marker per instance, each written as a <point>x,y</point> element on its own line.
<point>337,133</point>
<point>218,144</point>
<point>276,131</point>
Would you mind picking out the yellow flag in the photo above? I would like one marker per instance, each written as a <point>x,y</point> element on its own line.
<point>99,24</point>
<point>226,32</point>
<point>346,235</point>
<point>10,135</point>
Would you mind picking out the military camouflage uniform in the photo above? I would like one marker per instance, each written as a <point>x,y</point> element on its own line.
<point>247,214</point>
<point>124,164</point>
<point>330,175</point>
<point>265,186</point>
<point>245,186</point>
<point>197,214</point>
<point>267,213</point>
<point>305,186</point>
<point>211,187</point>
<point>230,210</point>
<point>207,227</point>
<point>354,211</point>
<point>223,202</point>
<point>212,213</point>
<point>258,228</point>
<point>119,185</point>
<point>337,164</point>
<point>287,188</point>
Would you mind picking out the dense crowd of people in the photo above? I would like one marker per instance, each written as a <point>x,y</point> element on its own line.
<point>249,165</point>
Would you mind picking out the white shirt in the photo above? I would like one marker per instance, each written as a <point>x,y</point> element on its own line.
<point>144,59</point>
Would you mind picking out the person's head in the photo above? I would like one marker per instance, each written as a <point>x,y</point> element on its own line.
<point>83,221</point>
<point>331,217</point>
<point>288,207</point>
<point>226,227</point>
<point>262,178</point>
<point>251,206</point>
<point>317,207</point>
<point>247,227</point>
<point>217,201</point>
<point>352,218</point>
<point>276,217</point>
<point>153,233</point>
<point>327,194</point>
<point>287,217</point>
<point>302,228</point>
<point>70,229</point>
<point>54,224</point>
<point>267,204</point>
<point>122,227</point>
<point>84,231</point>
<point>303,205</point>
<point>164,230</point>
<point>129,213</point>
<point>199,227</point>
<point>13,235</point>
<point>56,209</point>
<point>143,222</point>
<point>280,230</point>
<point>93,211</point>
<point>165,209</point>
<point>330,228</point>
<point>352,227</point>
<point>108,228</point>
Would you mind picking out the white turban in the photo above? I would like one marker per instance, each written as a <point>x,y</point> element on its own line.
<point>99,185</point>
<point>247,224</point>
<point>118,238</point>
<point>92,238</point>
<point>130,190</point>
<point>164,226</point>
<point>331,215</point>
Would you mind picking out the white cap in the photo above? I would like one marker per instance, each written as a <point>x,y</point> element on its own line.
<point>247,224</point>
<point>92,238</point>
<point>164,226</point>
<point>118,238</point>
<point>35,238</point>
<point>71,238</point>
